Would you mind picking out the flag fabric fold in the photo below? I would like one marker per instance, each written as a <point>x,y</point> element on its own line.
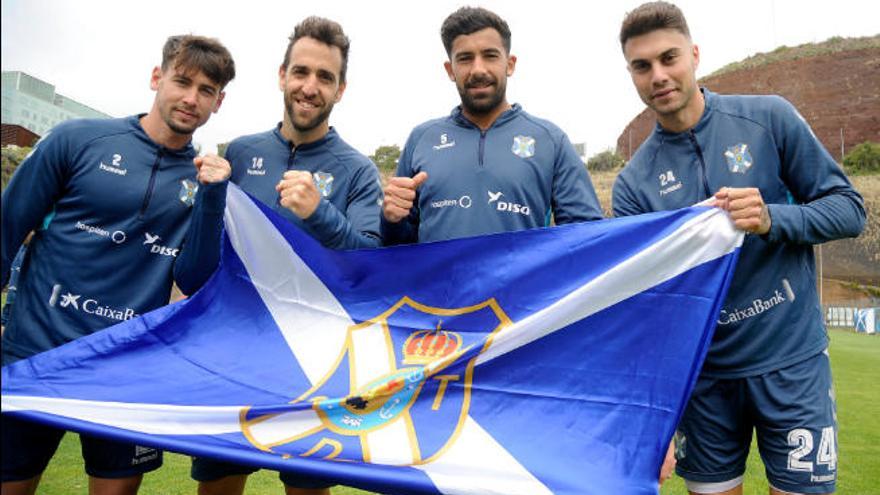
<point>545,361</point>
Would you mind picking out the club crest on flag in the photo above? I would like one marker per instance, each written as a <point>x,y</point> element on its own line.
<point>406,373</point>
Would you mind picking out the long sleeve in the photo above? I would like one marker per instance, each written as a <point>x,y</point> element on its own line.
<point>574,199</point>
<point>200,255</point>
<point>32,192</point>
<point>358,226</point>
<point>825,205</point>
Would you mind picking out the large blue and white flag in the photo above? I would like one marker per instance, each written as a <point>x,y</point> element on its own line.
<point>546,361</point>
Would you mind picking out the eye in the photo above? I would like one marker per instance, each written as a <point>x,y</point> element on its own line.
<point>639,66</point>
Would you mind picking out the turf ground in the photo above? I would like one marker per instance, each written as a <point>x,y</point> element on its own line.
<point>855,359</point>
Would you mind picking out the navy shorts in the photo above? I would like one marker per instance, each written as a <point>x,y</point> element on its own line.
<point>206,469</point>
<point>793,413</point>
<point>28,447</point>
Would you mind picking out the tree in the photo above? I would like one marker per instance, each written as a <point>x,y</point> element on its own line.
<point>864,159</point>
<point>605,161</point>
<point>12,156</point>
<point>385,157</point>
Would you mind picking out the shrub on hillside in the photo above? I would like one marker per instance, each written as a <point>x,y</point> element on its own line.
<point>12,156</point>
<point>605,161</point>
<point>863,159</point>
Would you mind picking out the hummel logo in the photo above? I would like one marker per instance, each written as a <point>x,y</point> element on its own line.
<point>150,238</point>
<point>444,142</point>
<point>256,166</point>
<point>70,300</point>
<point>493,197</point>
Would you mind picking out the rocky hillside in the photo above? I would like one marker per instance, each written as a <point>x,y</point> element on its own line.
<point>835,85</point>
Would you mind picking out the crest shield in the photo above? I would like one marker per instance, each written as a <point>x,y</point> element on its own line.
<point>398,394</point>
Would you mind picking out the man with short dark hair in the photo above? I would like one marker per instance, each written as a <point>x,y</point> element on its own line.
<point>767,368</point>
<point>489,166</point>
<point>123,207</point>
<point>305,171</point>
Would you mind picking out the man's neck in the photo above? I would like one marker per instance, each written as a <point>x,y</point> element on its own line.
<point>299,138</point>
<point>686,118</point>
<point>161,134</point>
<point>485,120</point>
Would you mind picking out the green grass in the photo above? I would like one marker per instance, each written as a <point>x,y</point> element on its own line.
<point>855,360</point>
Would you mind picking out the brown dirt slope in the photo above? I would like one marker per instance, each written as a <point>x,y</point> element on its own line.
<point>835,85</point>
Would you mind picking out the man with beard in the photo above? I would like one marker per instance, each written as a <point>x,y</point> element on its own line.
<point>119,208</point>
<point>489,166</point>
<point>767,370</point>
<point>302,168</point>
<point>307,173</point>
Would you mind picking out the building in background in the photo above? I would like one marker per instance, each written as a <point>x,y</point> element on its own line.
<point>33,104</point>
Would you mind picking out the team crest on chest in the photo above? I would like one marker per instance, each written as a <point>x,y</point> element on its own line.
<point>523,146</point>
<point>739,160</point>
<point>324,183</point>
<point>188,190</point>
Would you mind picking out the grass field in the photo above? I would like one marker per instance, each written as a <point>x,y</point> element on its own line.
<point>855,361</point>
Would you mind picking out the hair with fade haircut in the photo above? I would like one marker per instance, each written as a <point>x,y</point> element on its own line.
<point>650,17</point>
<point>324,30</point>
<point>469,20</point>
<point>208,55</point>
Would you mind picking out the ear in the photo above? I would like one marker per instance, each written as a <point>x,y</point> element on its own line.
<point>511,65</point>
<point>219,101</point>
<point>448,66</point>
<point>155,76</point>
<point>696,57</point>
<point>339,91</point>
<point>282,72</point>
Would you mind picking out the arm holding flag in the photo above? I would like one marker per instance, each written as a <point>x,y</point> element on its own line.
<point>201,252</point>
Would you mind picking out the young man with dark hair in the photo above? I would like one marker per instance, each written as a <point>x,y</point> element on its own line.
<point>754,156</point>
<point>489,166</point>
<point>304,170</point>
<point>124,207</point>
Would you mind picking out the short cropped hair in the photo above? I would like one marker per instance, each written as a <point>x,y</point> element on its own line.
<point>188,51</point>
<point>324,30</point>
<point>468,20</point>
<point>650,17</point>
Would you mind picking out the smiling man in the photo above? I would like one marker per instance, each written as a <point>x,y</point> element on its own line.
<point>767,369</point>
<point>302,168</point>
<point>305,171</point>
<point>489,166</point>
<point>119,208</point>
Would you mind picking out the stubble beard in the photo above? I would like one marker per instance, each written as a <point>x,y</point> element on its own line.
<point>482,106</point>
<point>310,124</point>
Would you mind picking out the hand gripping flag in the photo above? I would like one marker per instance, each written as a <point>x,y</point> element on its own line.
<point>545,361</point>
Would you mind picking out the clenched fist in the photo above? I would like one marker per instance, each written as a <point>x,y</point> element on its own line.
<point>746,207</point>
<point>211,169</point>
<point>298,193</point>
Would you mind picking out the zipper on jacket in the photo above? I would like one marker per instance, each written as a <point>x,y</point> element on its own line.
<point>703,173</point>
<point>291,159</point>
<point>151,184</point>
<point>482,145</point>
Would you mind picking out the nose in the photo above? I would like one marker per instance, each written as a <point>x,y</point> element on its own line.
<point>190,96</point>
<point>479,66</point>
<point>658,75</point>
<point>310,86</point>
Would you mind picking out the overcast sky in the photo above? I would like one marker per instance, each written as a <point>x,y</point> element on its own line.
<point>569,70</point>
